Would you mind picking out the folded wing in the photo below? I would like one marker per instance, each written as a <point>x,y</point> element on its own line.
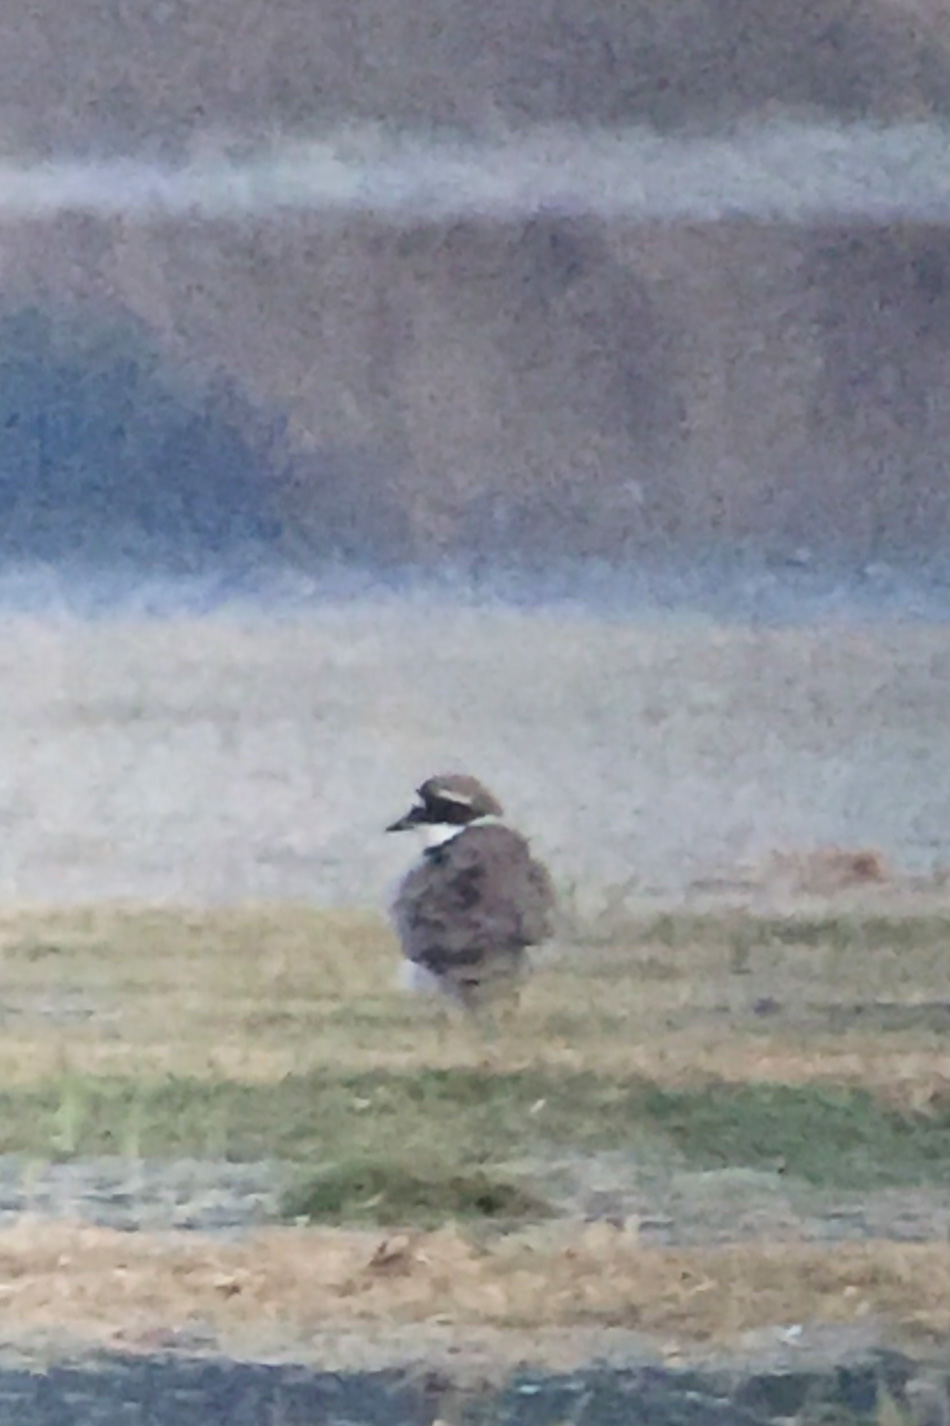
<point>474,905</point>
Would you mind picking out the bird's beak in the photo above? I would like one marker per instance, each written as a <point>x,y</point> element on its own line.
<point>413,817</point>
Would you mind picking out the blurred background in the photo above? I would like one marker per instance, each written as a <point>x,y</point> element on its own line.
<point>415,285</point>
<point>413,321</point>
<point>552,390</point>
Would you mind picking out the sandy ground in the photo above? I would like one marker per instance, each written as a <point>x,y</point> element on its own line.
<point>220,759</point>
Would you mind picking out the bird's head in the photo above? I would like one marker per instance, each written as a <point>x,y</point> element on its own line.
<point>448,803</point>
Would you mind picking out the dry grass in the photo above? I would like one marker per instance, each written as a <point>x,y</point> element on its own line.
<point>250,997</point>
<point>258,993</point>
<point>280,1033</point>
<point>121,1289</point>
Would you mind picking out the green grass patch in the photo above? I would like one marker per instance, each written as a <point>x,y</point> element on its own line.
<point>458,1120</point>
<point>831,1137</point>
<point>390,1193</point>
<point>447,1116</point>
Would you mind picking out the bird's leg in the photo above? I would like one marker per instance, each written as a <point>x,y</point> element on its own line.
<point>442,1022</point>
<point>457,1015</point>
<point>493,1036</point>
<point>509,1010</point>
<point>508,1018</point>
<point>502,1030</point>
<point>489,1058</point>
<point>482,1025</point>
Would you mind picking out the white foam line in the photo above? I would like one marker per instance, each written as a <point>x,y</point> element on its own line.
<point>782,172</point>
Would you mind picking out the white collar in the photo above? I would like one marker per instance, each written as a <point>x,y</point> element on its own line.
<point>438,834</point>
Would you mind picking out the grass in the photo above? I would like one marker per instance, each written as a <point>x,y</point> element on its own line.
<point>389,1193</point>
<point>119,1288</point>
<point>403,1126</point>
<point>280,1034</point>
<point>840,1138</point>
<point>258,993</point>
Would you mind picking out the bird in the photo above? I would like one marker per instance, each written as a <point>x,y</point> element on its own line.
<point>468,911</point>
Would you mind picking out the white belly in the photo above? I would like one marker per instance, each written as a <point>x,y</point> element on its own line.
<point>416,978</point>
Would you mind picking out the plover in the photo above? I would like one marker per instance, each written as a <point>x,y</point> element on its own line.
<point>470,908</point>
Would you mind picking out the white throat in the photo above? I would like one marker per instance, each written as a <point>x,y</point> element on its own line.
<point>437,834</point>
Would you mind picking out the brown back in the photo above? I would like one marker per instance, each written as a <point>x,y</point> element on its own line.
<point>477,899</point>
